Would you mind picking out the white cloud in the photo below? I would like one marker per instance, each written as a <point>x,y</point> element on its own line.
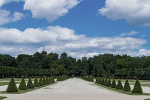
<point>60,39</point>
<point>6,18</point>
<point>135,12</point>
<point>130,33</point>
<point>49,9</point>
<point>2,2</point>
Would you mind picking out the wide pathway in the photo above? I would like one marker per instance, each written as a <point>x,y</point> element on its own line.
<point>73,89</point>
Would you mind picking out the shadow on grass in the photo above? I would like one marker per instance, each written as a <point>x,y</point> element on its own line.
<point>24,91</point>
<point>121,91</point>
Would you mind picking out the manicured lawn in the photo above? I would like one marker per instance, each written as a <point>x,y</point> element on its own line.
<point>121,91</point>
<point>1,97</point>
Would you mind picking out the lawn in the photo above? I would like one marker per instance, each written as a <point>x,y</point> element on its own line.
<point>2,97</point>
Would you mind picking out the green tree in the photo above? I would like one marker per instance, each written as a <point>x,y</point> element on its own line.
<point>30,84</point>
<point>127,86</point>
<point>22,85</point>
<point>36,83</point>
<point>119,85</point>
<point>109,83</point>
<point>12,86</point>
<point>137,87</point>
<point>113,85</point>
<point>41,81</point>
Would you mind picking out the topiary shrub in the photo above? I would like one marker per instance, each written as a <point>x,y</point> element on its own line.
<point>50,80</point>
<point>41,81</point>
<point>30,84</point>
<point>102,82</point>
<point>47,80</point>
<point>44,81</point>
<point>127,86</point>
<point>113,85</point>
<point>109,83</point>
<point>137,87</point>
<point>36,83</point>
<point>22,85</point>
<point>119,85</point>
<point>12,86</point>
<point>105,83</point>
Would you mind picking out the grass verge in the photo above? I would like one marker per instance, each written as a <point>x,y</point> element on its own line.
<point>121,91</point>
<point>24,91</point>
<point>2,97</point>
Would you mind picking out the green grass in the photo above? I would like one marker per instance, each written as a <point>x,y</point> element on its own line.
<point>146,99</point>
<point>6,83</point>
<point>2,97</point>
<point>24,91</point>
<point>121,91</point>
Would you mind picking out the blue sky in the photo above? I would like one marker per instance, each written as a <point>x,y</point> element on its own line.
<point>77,27</point>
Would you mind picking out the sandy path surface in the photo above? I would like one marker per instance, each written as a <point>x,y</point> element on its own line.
<point>73,89</point>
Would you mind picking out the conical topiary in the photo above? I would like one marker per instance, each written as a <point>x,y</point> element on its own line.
<point>137,87</point>
<point>36,83</point>
<point>22,85</point>
<point>50,80</point>
<point>119,85</point>
<point>109,83</point>
<point>30,84</point>
<point>47,80</point>
<point>127,86</point>
<point>97,79</point>
<point>12,86</point>
<point>102,82</point>
<point>44,81</point>
<point>105,83</point>
<point>113,85</point>
<point>41,82</point>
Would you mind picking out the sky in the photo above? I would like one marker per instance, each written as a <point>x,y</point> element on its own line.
<point>81,28</point>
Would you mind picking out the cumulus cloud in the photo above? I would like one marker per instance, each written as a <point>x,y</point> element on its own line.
<point>49,9</point>
<point>6,18</point>
<point>61,39</point>
<point>2,2</point>
<point>135,12</point>
<point>130,33</point>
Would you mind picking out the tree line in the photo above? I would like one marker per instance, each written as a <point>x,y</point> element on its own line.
<point>51,64</point>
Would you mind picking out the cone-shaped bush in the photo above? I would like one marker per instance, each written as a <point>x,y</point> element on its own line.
<point>113,85</point>
<point>44,81</point>
<point>137,87</point>
<point>97,80</point>
<point>105,83</point>
<point>12,86</point>
<point>30,84</point>
<point>50,80</point>
<point>36,83</point>
<point>102,82</point>
<point>22,85</point>
<point>41,81</point>
<point>119,85</point>
<point>47,80</point>
<point>127,86</point>
<point>109,83</point>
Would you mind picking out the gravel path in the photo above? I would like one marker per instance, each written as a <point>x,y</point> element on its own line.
<point>73,89</point>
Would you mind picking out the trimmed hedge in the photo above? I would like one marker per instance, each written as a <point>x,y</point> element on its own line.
<point>109,83</point>
<point>137,87</point>
<point>127,86</point>
<point>22,85</point>
<point>41,81</point>
<point>30,84</point>
<point>36,83</point>
<point>113,85</point>
<point>119,85</point>
<point>12,86</point>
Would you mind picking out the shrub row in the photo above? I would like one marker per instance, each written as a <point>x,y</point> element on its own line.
<point>62,78</point>
<point>43,81</point>
<point>88,79</point>
<point>137,87</point>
